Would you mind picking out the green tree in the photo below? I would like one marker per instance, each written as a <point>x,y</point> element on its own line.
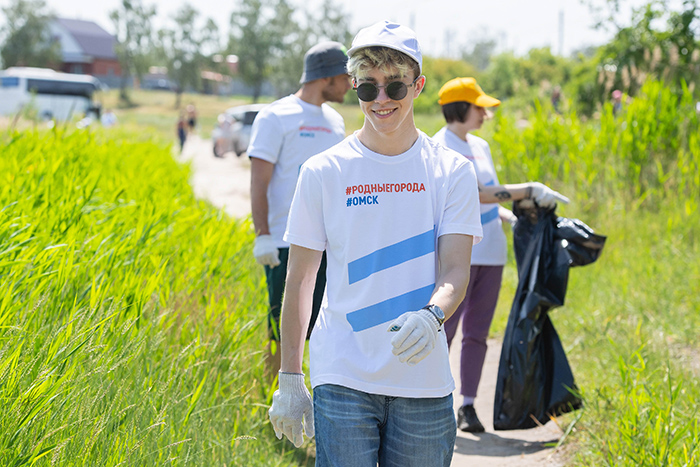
<point>660,43</point>
<point>480,49</point>
<point>481,53</point>
<point>438,71</point>
<point>684,36</point>
<point>503,75</point>
<point>260,32</point>
<point>26,36</point>
<point>332,23</point>
<point>540,67</point>
<point>188,48</point>
<point>132,24</point>
<point>287,65</point>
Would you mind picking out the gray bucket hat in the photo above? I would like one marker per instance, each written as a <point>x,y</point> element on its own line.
<point>324,60</point>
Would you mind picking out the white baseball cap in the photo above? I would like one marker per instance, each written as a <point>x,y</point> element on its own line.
<point>391,35</point>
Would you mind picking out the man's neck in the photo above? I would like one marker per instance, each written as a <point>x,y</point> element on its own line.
<point>388,144</point>
<point>310,95</point>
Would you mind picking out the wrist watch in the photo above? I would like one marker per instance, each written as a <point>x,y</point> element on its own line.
<point>437,312</point>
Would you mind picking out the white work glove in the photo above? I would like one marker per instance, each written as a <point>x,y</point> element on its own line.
<point>265,251</point>
<point>292,407</point>
<point>545,196</point>
<point>416,333</point>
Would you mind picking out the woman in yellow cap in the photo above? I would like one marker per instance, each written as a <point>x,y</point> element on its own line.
<point>464,106</point>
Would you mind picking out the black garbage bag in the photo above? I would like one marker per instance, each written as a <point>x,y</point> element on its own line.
<point>534,377</point>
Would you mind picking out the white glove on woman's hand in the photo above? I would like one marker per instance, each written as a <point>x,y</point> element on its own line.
<point>416,333</point>
<point>265,251</point>
<point>545,196</point>
<point>291,408</point>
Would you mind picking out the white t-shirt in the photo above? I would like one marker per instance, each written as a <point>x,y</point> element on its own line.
<point>379,218</point>
<point>493,249</point>
<point>286,133</point>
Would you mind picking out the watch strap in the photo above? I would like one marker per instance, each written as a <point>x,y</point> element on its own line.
<point>437,313</point>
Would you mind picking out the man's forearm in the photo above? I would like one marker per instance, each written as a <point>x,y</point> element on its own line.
<point>296,305</point>
<point>451,284</point>
<point>450,290</point>
<point>260,176</point>
<point>293,326</point>
<point>259,211</point>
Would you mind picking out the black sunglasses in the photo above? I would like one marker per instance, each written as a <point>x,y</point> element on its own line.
<point>396,90</point>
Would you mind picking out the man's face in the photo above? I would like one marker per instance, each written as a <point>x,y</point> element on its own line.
<point>336,88</point>
<point>384,114</point>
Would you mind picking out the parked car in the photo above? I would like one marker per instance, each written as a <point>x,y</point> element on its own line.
<point>232,132</point>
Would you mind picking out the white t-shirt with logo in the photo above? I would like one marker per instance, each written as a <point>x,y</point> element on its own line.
<point>286,133</point>
<point>379,218</point>
<point>493,249</point>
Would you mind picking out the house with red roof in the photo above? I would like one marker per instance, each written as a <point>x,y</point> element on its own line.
<point>87,48</point>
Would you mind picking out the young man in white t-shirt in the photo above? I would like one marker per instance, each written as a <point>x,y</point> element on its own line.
<point>464,106</point>
<point>397,215</point>
<point>284,135</point>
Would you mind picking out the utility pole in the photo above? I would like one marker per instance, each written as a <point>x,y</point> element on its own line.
<point>449,34</point>
<point>561,32</point>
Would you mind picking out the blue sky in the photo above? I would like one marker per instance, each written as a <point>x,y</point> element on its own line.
<point>444,27</point>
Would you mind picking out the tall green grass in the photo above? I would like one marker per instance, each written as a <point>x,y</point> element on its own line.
<point>131,315</point>
<point>631,320</point>
<point>645,155</point>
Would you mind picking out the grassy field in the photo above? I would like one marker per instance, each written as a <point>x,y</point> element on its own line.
<point>131,314</point>
<point>630,322</point>
<point>155,115</point>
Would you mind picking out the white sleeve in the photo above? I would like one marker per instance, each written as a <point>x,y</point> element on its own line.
<point>305,224</point>
<point>462,213</point>
<point>487,150</point>
<point>266,137</point>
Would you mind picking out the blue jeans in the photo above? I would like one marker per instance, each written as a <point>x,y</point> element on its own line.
<point>356,429</point>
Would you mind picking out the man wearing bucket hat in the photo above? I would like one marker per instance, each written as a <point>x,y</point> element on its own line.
<point>284,135</point>
<point>397,215</point>
<point>464,106</point>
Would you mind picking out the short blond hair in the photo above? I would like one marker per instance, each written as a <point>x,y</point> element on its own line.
<point>384,59</point>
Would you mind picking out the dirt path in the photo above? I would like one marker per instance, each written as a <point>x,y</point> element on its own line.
<point>517,448</point>
<point>225,182</point>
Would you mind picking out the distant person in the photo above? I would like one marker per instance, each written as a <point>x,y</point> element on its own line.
<point>617,101</point>
<point>464,106</point>
<point>284,135</point>
<point>556,98</point>
<point>181,129</point>
<point>397,214</point>
<point>108,118</point>
<point>191,117</point>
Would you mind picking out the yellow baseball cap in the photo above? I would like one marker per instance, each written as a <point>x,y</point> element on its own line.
<point>465,90</point>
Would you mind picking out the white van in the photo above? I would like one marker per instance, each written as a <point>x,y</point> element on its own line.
<point>53,94</point>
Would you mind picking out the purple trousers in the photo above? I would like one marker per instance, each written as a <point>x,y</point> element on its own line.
<point>475,312</point>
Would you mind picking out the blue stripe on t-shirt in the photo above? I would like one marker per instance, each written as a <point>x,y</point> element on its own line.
<point>390,309</point>
<point>391,255</point>
<point>489,216</point>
